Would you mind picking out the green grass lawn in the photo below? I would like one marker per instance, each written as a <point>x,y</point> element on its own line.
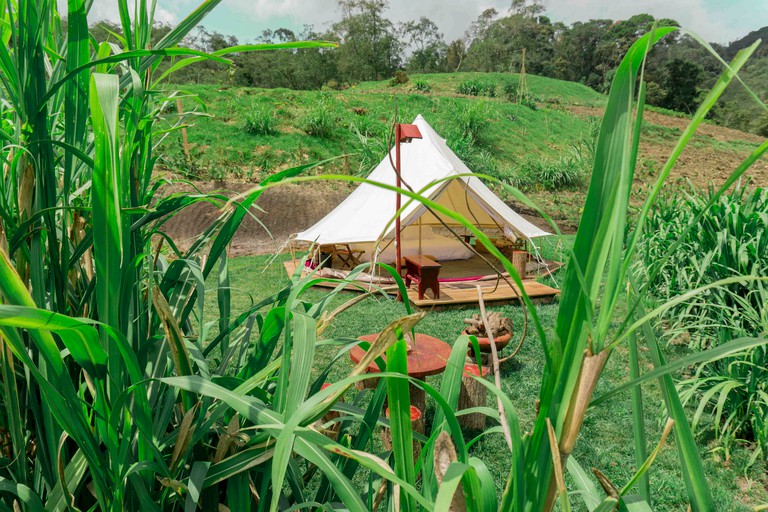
<point>606,439</point>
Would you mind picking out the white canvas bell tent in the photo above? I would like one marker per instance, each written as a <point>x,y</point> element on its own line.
<point>365,216</point>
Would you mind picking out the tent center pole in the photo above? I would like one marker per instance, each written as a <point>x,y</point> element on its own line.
<point>398,261</point>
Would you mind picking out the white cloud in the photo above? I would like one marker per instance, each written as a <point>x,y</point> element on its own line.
<point>715,20</point>
<point>700,16</point>
<point>107,10</point>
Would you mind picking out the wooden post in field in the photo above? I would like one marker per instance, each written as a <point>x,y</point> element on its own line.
<point>184,140</point>
<point>522,87</point>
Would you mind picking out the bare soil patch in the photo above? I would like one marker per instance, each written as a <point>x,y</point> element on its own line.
<point>699,163</point>
<point>279,213</point>
<point>716,132</point>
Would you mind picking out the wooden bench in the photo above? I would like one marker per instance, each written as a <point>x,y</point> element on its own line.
<point>422,271</point>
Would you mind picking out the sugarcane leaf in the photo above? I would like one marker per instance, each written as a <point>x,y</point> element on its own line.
<point>24,493</point>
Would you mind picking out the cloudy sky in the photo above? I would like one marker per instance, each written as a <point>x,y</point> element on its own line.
<point>718,21</point>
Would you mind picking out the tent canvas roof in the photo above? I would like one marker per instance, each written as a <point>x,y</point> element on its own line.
<point>367,214</point>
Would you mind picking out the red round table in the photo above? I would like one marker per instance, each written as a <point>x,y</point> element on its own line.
<point>426,356</point>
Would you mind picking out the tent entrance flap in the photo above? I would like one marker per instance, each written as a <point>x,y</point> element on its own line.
<point>457,197</point>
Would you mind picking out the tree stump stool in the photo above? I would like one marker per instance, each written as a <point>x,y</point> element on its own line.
<point>473,394</point>
<point>369,383</point>
<point>331,432</point>
<point>520,262</point>
<point>417,425</point>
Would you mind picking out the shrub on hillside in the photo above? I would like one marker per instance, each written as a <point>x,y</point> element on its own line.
<point>478,160</point>
<point>367,126</point>
<point>318,120</point>
<point>421,86</point>
<point>468,88</point>
<point>477,88</point>
<point>569,171</point>
<point>259,120</point>
<point>401,77</point>
<point>370,151</point>
<point>509,89</point>
<point>528,101</point>
<point>555,174</point>
<point>488,89</point>
<point>470,120</point>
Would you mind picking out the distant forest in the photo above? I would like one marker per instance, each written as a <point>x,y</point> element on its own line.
<point>373,47</point>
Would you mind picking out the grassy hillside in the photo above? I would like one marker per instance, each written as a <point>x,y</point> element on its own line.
<point>543,146</point>
<point>490,133</point>
<point>546,90</point>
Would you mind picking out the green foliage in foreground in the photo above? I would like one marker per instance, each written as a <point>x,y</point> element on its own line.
<point>605,443</point>
<point>728,240</point>
<point>111,393</point>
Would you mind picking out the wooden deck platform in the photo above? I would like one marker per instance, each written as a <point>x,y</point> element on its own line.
<point>464,292</point>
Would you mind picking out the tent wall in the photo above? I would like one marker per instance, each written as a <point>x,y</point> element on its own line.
<point>432,169</point>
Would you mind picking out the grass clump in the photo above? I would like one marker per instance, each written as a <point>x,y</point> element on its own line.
<point>421,86</point>
<point>259,120</point>
<point>470,121</point>
<point>477,88</point>
<point>400,78</point>
<point>319,120</point>
<point>567,172</point>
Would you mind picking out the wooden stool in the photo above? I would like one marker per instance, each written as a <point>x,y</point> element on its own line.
<point>473,394</point>
<point>520,262</point>
<point>422,271</point>
<point>319,425</point>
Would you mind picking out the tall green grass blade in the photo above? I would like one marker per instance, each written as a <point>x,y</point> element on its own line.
<point>398,395</point>
<point>450,389</point>
<point>12,409</point>
<point>450,485</point>
<point>696,485</point>
<point>588,492</point>
<point>195,484</point>
<point>602,219</point>
<point>638,419</point>
<point>486,498</point>
<point>295,372</point>
<point>704,108</point>
<point>24,493</point>
<point>108,233</point>
<point>634,504</point>
<point>224,296</point>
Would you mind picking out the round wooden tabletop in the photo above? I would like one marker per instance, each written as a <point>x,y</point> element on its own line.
<point>428,355</point>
